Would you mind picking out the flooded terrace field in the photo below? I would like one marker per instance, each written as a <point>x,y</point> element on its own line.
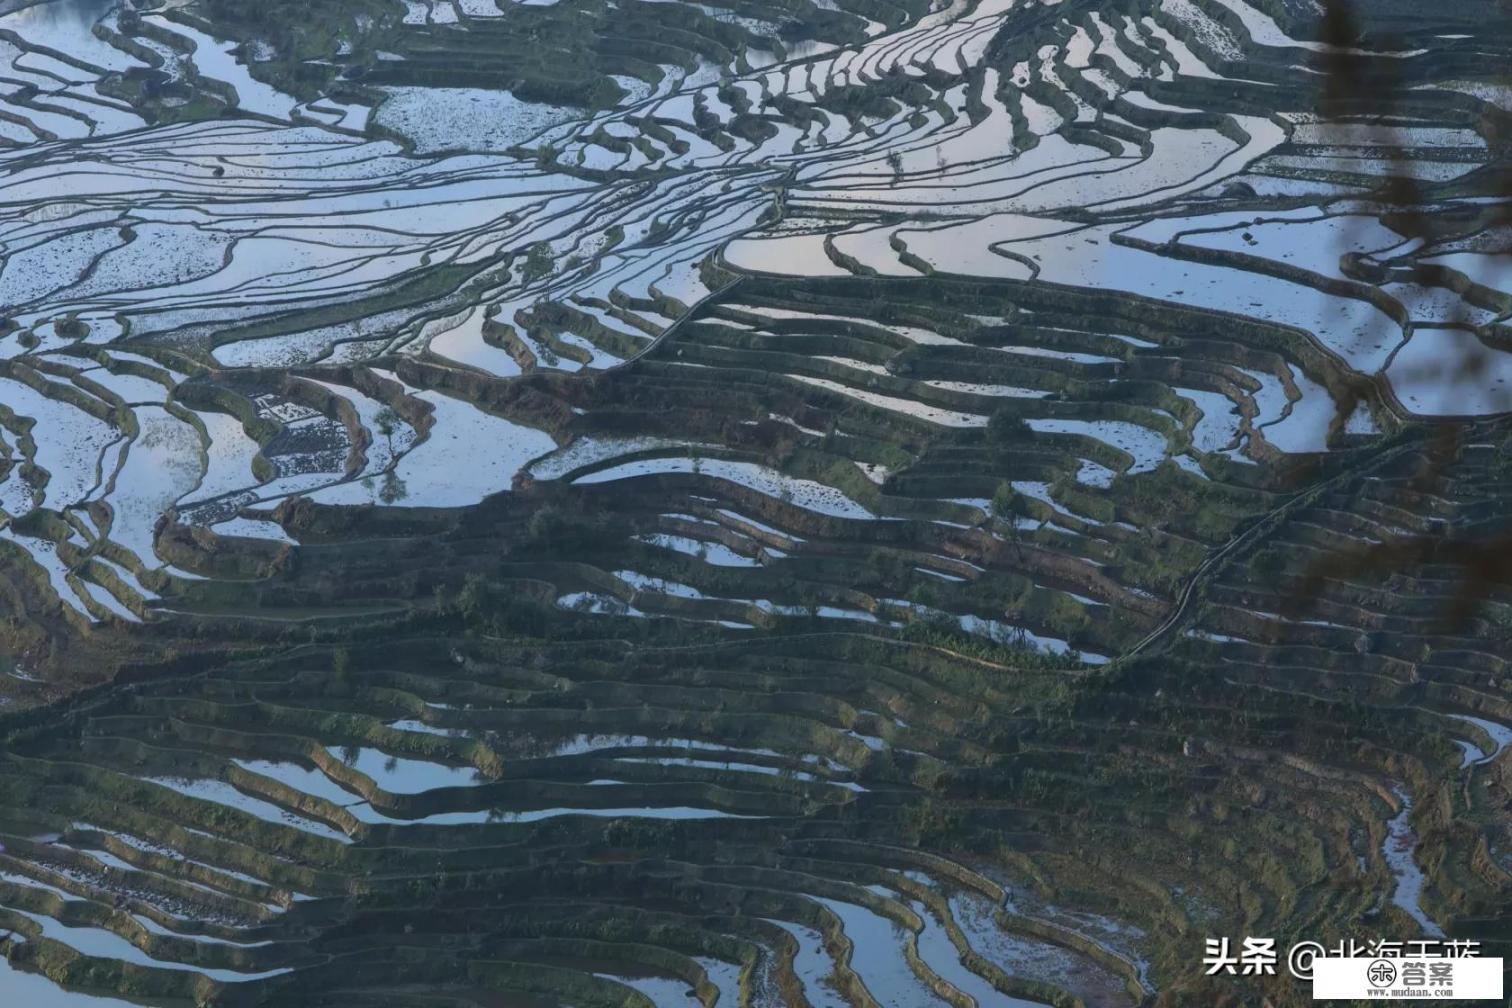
<point>849,502</point>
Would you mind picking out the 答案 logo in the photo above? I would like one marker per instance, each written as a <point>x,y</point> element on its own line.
<point>1380,973</point>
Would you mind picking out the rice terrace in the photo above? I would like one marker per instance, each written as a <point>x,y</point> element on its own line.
<point>750,503</point>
